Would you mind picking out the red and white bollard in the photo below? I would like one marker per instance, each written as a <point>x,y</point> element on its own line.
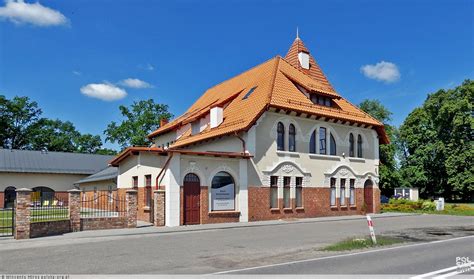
<point>371,229</point>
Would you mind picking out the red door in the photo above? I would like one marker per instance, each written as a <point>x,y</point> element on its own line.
<point>368,196</point>
<point>192,196</point>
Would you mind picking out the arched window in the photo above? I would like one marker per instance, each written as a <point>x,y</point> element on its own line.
<point>280,136</point>
<point>291,138</point>
<point>359,146</point>
<point>351,145</point>
<point>312,142</point>
<point>222,192</point>
<point>332,145</point>
<point>322,141</point>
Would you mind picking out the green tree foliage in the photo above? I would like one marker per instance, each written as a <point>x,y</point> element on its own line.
<point>389,175</point>
<point>21,127</point>
<point>140,119</point>
<point>19,115</point>
<point>437,144</point>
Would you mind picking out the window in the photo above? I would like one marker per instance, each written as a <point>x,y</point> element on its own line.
<point>352,192</point>
<point>314,98</point>
<point>249,93</point>
<point>332,144</point>
<point>280,136</point>
<point>321,101</point>
<point>148,190</point>
<point>223,192</point>
<point>135,181</point>
<point>286,192</point>
<point>322,140</point>
<point>312,142</point>
<point>291,139</point>
<point>351,145</point>
<point>342,196</point>
<point>274,192</point>
<point>299,192</point>
<point>333,192</point>
<point>359,146</point>
<point>327,102</point>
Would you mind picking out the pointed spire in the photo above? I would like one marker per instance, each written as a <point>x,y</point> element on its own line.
<point>297,33</point>
<point>314,71</point>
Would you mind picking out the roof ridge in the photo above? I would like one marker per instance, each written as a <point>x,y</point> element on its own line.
<point>275,72</point>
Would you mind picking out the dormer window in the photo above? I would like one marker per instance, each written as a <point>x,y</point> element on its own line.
<point>303,58</point>
<point>320,100</point>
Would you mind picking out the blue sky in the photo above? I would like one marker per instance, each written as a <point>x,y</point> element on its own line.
<point>50,50</point>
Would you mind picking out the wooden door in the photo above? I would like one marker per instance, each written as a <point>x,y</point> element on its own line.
<point>369,196</point>
<point>192,197</point>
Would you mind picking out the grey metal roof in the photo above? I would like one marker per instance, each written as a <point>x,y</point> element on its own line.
<point>105,174</point>
<point>14,160</point>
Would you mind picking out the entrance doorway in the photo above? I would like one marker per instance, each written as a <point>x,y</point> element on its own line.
<point>192,197</point>
<point>10,197</point>
<point>369,195</point>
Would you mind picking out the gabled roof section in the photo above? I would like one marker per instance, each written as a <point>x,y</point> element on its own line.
<point>314,70</point>
<point>275,83</point>
<point>31,161</point>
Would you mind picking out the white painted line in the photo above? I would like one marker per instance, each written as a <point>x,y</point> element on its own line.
<point>447,275</point>
<point>341,256</point>
<point>436,272</point>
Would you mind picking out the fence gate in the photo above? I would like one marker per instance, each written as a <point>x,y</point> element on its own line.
<point>7,221</point>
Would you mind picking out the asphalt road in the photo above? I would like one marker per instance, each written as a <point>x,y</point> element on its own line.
<point>209,251</point>
<point>422,260</point>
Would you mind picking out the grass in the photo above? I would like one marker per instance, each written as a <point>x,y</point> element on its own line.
<point>458,209</point>
<point>361,243</point>
<point>37,215</point>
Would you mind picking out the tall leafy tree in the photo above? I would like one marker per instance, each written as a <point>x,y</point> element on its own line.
<point>19,114</point>
<point>389,175</point>
<point>437,142</point>
<point>140,119</point>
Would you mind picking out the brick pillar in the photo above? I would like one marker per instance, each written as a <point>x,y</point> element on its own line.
<point>159,210</point>
<point>22,213</point>
<point>75,209</point>
<point>132,207</point>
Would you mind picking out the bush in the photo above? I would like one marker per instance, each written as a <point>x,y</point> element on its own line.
<point>428,206</point>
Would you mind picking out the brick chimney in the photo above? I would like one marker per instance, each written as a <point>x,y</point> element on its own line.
<point>163,121</point>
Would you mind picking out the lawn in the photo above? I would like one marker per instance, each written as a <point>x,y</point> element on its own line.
<point>37,215</point>
<point>361,243</point>
<point>428,207</point>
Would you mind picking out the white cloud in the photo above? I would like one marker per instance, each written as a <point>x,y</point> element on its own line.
<point>76,73</point>
<point>135,83</point>
<point>103,91</point>
<point>148,67</point>
<point>19,12</point>
<point>382,71</point>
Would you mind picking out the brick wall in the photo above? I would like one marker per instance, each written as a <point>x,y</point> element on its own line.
<point>103,223</point>
<point>49,228</point>
<point>316,203</point>
<point>2,199</point>
<point>215,217</point>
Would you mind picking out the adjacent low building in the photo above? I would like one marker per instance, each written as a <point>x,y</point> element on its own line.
<point>46,173</point>
<point>276,141</point>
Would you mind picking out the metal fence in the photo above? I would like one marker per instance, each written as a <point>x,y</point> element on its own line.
<point>103,204</point>
<point>7,221</point>
<point>48,208</point>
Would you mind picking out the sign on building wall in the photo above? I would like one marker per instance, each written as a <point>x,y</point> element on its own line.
<point>222,192</point>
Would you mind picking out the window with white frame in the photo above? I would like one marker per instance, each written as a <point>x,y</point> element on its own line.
<point>280,136</point>
<point>299,191</point>
<point>333,192</point>
<point>342,194</point>
<point>286,192</point>
<point>274,192</point>
<point>352,192</point>
<point>312,143</point>
<point>322,140</point>
<point>292,138</point>
<point>359,146</point>
<point>222,192</point>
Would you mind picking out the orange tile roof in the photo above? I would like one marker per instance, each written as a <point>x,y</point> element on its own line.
<point>275,87</point>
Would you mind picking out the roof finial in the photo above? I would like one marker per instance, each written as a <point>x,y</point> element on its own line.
<point>297,33</point>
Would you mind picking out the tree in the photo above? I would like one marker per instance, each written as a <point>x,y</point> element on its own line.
<point>141,118</point>
<point>437,142</point>
<point>389,175</point>
<point>19,115</point>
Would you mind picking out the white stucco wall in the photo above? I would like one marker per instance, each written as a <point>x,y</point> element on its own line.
<point>139,165</point>
<point>57,182</point>
<point>318,168</point>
